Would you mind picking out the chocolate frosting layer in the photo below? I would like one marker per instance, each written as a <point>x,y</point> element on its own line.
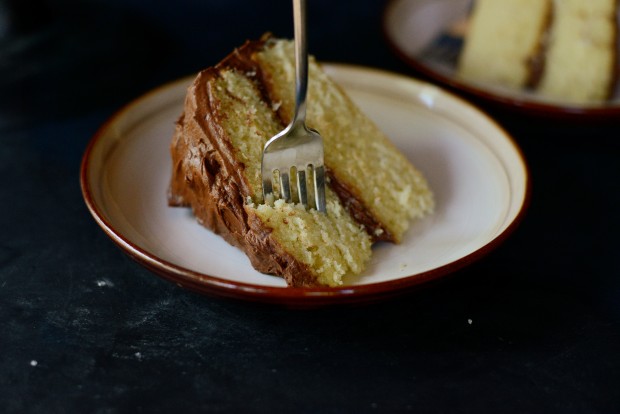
<point>357,210</point>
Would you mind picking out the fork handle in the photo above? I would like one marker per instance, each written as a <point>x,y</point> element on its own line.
<point>301,62</point>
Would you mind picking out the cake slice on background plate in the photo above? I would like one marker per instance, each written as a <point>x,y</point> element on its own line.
<point>581,59</point>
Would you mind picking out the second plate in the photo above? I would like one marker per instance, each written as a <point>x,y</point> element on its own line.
<point>428,35</point>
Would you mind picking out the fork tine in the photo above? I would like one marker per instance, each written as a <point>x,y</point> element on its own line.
<point>319,188</point>
<point>301,187</point>
<point>267,184</point>
<point>285,186</point>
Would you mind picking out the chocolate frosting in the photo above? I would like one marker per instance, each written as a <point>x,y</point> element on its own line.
<point>208,178</point>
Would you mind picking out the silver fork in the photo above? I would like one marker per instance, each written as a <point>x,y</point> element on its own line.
<point>295,155</point>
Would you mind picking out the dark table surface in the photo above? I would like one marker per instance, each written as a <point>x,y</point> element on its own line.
<point>544,307</point>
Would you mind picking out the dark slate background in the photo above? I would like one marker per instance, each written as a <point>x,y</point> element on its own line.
<point>85,329</point>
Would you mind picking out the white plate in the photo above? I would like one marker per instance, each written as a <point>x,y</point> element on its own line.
<point>478,175</point>
<point>428,34</point>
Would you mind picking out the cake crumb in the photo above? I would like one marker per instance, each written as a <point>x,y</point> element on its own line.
<point>34,363</point>
<point>105,282</point>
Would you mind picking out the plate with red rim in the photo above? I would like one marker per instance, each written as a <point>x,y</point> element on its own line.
<point>476,170</point>
<point>428,36</point>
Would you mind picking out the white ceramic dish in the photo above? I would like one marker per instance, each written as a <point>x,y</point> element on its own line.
<point>428,34</point>
<point>478,175</point>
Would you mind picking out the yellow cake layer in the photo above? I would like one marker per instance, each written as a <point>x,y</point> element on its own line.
<point>580,61</point>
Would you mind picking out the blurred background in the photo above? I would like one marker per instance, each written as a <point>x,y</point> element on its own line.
<point>59,57</point>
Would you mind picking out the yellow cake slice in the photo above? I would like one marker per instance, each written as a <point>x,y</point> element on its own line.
<point>231,110</point>
<point>581,57</point>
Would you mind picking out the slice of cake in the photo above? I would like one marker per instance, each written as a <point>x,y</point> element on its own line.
<point>581,55</point>
<point>505,42</point>
<point>231,110</point>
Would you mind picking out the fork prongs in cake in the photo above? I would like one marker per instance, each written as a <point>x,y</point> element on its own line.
<point>303,184</point>
<point>319,187</point>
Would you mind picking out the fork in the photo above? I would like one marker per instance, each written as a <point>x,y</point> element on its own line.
<point>293,158</point>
